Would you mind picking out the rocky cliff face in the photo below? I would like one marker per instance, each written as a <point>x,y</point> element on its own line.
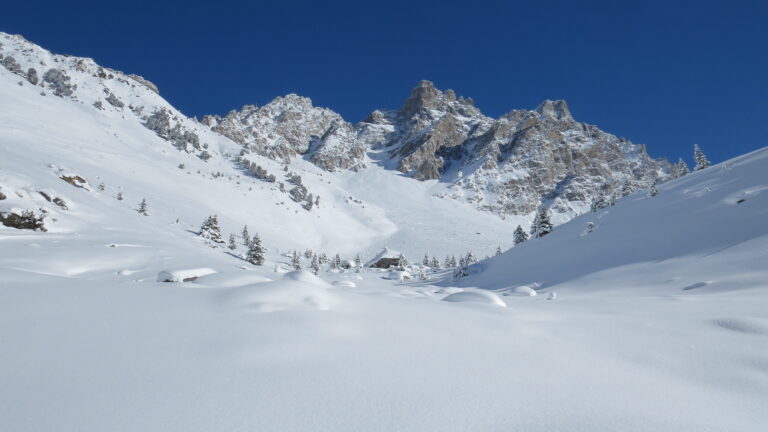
<point>509,165</point>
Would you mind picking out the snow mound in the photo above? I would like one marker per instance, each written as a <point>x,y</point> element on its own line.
<point>283,295</point>
<point>398,276</point>
<point>183,275</point>
<point>522,291</point>
<point>476,296</point>
<point>230,280</point>
<point>345,283</point>
<point>305,277</point>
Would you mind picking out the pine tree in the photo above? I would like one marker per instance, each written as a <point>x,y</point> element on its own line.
<point>119,196</point>
<point>102,187</point>
<point>358,263</point>
<point>232,242</point>
<point>425,261</point>
<point>435,262</point>
<point>315,264</point>
<point>295,260</point>
<point>143,207</point>
<point>452,262</point>
<point>700,158</point>
<point>470,259</point>
<point>599,203</point>
<point>337,261</point>
<point>447,262</point>
<point>255,254</point>
<point>653,192</point>
<point>323,258</point>
<point>403,261</point>
<point>246,236</point>
<point>210,230</point>
<point>520,236</point>
<point>627,188</point>
<point>682,168</point>
<point>541,225</point>
<point>462,262</point>
<point>498,250</point>
<point>308,253</point>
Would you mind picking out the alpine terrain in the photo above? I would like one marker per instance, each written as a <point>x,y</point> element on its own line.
<point>281,268</point>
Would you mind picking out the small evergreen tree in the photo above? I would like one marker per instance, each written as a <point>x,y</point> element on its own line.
<point>462,262</point>
<point>452,262</point>
<point>358,263</point>
<point>323,258</point>
<point>541,225</point>
<point>119,196</point>
<point>143,207</point>
<point>447,262</point>
<point>653,192</point>
<point>403,261</point>
<point>627,188</point>
<point>232,242</point>
<point>498,250</point>
<point>246,236</point>
<point>470,259</point>
<point>700,158</point>
<point>255,254</point>
<point>682,168</point>
<point>308,253</point>
<point>295,260</point>
<point>337,261</point>
<point>435,262</point>
<point>425,261</point>
<point>211,231</point>
<point>315,264</point>
<point>520,236</point>
<point>600,202</point>
<point>101,187</point>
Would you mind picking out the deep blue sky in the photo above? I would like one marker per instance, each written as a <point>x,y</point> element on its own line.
<point>667,73</point>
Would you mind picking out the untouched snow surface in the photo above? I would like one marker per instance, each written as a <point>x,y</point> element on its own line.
<point>662,337</point>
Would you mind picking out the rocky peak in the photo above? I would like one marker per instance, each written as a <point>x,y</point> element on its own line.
<point>557,110</point>
<point>425,96</point>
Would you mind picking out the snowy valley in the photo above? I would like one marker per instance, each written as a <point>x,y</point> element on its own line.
<point>640,306</point>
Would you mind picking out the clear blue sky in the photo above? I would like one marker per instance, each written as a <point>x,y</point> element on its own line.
<point>668,74</point>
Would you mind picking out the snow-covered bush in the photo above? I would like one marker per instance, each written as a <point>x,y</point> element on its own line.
<point>32,76</point>
<point>10,64</point>
<point>26,220</point>
<point>59,82</point>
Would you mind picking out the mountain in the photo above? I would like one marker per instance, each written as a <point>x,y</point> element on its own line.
<point>508,166</point>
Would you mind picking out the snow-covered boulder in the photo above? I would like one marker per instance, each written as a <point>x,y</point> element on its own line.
<point>398,276</point>
<point>183,275</point>
<point>476,296</point>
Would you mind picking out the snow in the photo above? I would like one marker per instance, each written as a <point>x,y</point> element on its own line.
<point>476,296</point>
<point>183,275</point>
<point>660,321</point>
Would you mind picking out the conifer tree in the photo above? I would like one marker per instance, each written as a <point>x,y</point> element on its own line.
<point>308,253</point>
<point>700,158</point>
<point>599,203</point>
<point>541,225</point>
<point>435,262</point>
<point>295,260</point>
<point>315,264</point>
<point>462,262</point>
<point>470,259</point>
<point>520,236</point>
<point>211,231</point>
<point>425,261</point>
<point>447,262</point>
<point>143,207</point>
<point>232,242</point>
<point>498,250</point>
<point>337,261</point>
<point>119,196</point>
<point>358,263</point>
<point>682,168</point>
<point>323,258</point>
<point>255,254</point>
<point>246,236</point>
<point>627,188</point>
<point>403,261</point>
<point>653,192</point>
<point>452,262</point>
